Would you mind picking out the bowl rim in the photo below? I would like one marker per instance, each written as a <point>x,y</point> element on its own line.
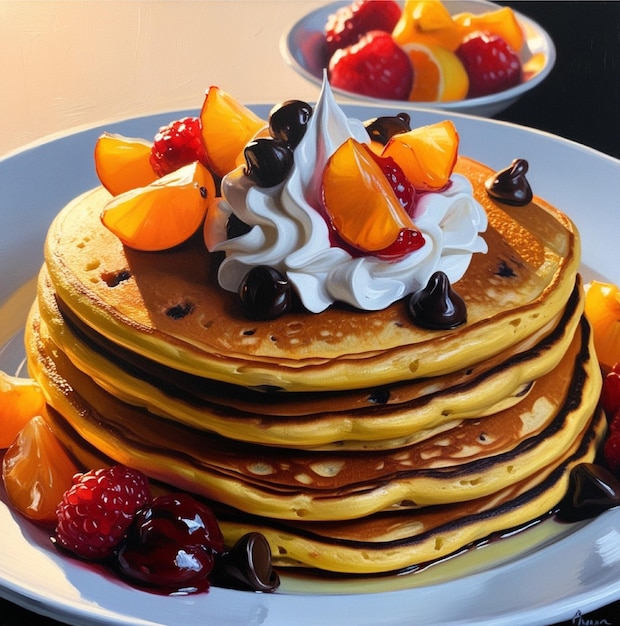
<point>546,46</point>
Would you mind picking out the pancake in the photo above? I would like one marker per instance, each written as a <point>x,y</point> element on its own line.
<point>394,540</point>
<point>168,307</point>
<point>356,441</point>
<point>436,404</point>
<point>474,459</point>
<point>399,537</point>
<point>391,541</point>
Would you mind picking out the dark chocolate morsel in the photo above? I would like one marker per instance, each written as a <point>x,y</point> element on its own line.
<point>379,396</point>
<point>265,293</point>
<point>592,489</point>
<point>288,121</point>
<point>268,161</point>
<point>437,306</point>
<point>382,129</point>
<point>179,311</point>
<point>247,566</point>
<point>510,184</point>
<point>236,227</point>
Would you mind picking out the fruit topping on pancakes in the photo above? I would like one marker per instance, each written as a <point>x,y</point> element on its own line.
<point>288,229</point>
<point>164,213</point>
<point>176,145</point>
<point>362,205</point>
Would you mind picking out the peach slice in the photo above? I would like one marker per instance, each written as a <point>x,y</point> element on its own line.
<point>427,22</point>
<point>122,163</point>
<point>20,400</point>
<point>36,471</point>
<point>602,309</point>
<point>427,154</point>
<point>163,214</point>
<point>360,202</point>
<point>227,126</point>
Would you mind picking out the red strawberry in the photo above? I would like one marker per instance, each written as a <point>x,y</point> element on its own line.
<point>490,63</point>
<point>176,145</point>
<point>375,66</point>
<point>349,23</point>
<point>96,511</point>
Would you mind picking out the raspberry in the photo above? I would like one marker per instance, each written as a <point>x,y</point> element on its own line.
<point>176,145</point>
<point>96,511</point>
<point>375,66</point>
<point>490,63</point>
<point>349,23</point>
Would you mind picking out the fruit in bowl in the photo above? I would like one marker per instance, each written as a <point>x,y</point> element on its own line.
<point>421,52</point>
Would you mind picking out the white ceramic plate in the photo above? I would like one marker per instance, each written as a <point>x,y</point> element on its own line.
<point>558,570</point>
<point>302,47</point>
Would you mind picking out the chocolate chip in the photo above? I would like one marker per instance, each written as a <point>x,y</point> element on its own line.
<point>510,184</point>
<point>179,311</point>
<point>112,279</point>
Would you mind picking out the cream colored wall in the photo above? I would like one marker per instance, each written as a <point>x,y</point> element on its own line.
<point>74,63</point>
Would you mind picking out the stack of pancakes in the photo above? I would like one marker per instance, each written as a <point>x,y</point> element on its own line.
<point>354,441</point>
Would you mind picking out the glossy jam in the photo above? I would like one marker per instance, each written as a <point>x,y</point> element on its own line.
<point>171,546</point>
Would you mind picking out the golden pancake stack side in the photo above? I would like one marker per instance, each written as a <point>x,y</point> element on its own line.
<point>355,439</point>
<point>357,442</point>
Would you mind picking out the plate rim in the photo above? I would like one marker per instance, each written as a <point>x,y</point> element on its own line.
<point>534,613</point>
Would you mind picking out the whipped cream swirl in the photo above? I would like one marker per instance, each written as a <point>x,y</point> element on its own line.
<point>288,233</point>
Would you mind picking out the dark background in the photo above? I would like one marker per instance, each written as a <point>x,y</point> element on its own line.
<point>580,100</point>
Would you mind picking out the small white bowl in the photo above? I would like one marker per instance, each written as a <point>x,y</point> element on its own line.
<point>303,47</point>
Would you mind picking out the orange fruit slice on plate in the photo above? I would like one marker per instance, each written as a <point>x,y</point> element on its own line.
<point>20,400</point>
<point>163,214</point>
<point>36,471</point>
<point>122,163</point>
<point>502,22</point>
<point>227,126</point>
<point>427,22</point>
<point>359,199</point>
<point>438,74</point>
<point>427,155</point>
<point>602,308</point>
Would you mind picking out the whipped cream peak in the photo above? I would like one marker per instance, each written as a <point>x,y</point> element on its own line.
<point>288,232</point>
